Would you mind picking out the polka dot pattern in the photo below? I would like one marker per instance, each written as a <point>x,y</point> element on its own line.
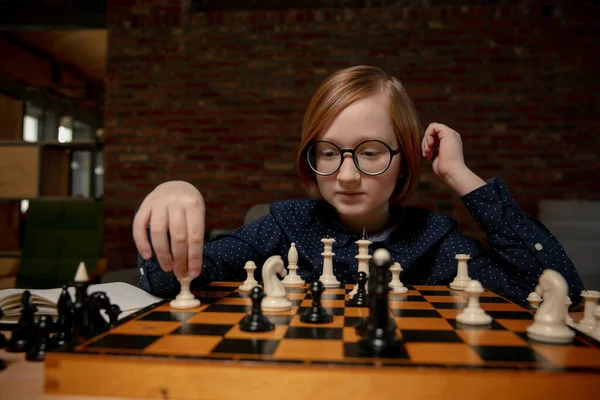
<point>423,242</point>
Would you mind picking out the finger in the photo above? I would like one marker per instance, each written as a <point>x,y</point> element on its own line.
<point>140,236</point>
<point>178,232</point>
<point>158,231</point>
<point>195,230</point>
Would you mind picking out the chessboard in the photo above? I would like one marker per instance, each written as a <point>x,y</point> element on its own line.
<point>161,352</point>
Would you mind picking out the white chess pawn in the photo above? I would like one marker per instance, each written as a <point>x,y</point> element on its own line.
<point>596,332</point>
<point>185,299</point>
<point>474,314</point>
<point>534,299</point>
<point>462,275</point>
<point>292,279</point>
<point>250,282</point>
<point>568,320</point>
<point>396,285</point>
<point>588,322</point>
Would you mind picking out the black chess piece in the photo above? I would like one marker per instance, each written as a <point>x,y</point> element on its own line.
<point>256,321</point>
<point>113,314</point>
<point>316,314</point>
<point>24,333</point>
<point>64,323</point>
<point>380,338</point>
<point>361,297</point>
<point>80,312</point>
<point>38,351</point>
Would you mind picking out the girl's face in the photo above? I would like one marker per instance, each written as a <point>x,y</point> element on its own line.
<point>361,200</point>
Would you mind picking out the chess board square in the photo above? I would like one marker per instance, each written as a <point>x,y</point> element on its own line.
<point>508,354</point>
<point>335,291</point>
<point>208,300</point>
<point>491,338</point>
<point>152,328</point>
<point>183,345</point>
<point>450,313</point>
<point>133,342</point>
<point>446,306</point>
<point>180,316</point>
<point>442,353</point>
<point>325,303</point>
<point>328,296</point>
<point>410,305</point>
<point>330,311</point>
<point>515,325</point>
<point>350,335</point>
<point>338,322</point>
<point>571,357</point>
<point>295,332</point>
<point>228,308</point>
<point>444,336</point>
<point>415,313</point>
<point>576,341</point>
<point>295,296</point>
<point>237,333</point>
<point>353,350</point>
<point>425,292</point>
<point>301,349</point>
<point>301,290</point>
<point>246,346</point>
<point>416,298</point>
<point>494,325</point>
<point>351,321</point>
<point>508,307</point>
<point>202,329</point>
<point>523,315</point>
<point>279,319</point>
<point>446,299</point>
<point>420,323</point>
<point>216,318</point>
<point>236,301</point>
<point>237,295</point>
<point>296,302</point>
<point>356,312</point>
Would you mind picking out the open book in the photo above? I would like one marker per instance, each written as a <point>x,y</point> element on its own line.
<point>129,298</point>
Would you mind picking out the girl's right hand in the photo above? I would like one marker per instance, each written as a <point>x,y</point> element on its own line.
<point>174,209</point>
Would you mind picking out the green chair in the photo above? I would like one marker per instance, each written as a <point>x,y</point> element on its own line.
<point>59,234</point>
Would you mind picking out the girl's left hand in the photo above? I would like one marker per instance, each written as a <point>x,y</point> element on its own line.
<point>443,145</point>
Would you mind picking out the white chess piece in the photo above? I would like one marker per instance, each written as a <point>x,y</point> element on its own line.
<point>185,299</point>
<point>292,279</point>
<point>462,275</point>
<point>549,321</point>
<point>596,333</point>
<point>81,275</point>
<point>396,285</point>
<point>250,282</point>
<point>534,299</point>
<point>363,261</point>
<point>328,278</point>
<point>568,320</point>
<point>588,322</point>
<point>473,314</point>
<point>275,299</point>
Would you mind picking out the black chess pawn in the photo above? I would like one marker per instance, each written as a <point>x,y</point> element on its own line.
<point>361,297</point>
<point>64,323</point>
<point>256,321</point>
<point>113,314</point>
<point>38,351</point>
<point>316,314</point>
<point>23,334</point>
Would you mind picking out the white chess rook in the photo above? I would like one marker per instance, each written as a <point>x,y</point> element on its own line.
<point>363,261</point>
<point>588,322</point>
<point>328,278</point>
<point>185,299</point>
<point>462,276</point>
<point>396,285</point>
<point>549,322</point>
<point>292,279</point>
<point>250,282</point>
<point>474,314</point>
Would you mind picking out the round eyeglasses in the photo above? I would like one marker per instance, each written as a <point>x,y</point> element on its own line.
<point>371,157</point>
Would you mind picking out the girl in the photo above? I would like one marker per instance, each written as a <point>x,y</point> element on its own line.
<point>360,159</point>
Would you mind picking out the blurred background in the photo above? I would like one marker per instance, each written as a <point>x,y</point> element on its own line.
<point>100,101</point>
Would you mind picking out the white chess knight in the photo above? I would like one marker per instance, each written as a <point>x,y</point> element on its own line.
<point>292,279</point>
<point>396,285</point>
<point>185,299</point>
<point>549,323</point>
<point>275,299</point>
<point>474,314</point>
<point>250,282</point>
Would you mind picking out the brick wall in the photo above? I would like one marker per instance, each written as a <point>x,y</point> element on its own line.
<point>217,98</point>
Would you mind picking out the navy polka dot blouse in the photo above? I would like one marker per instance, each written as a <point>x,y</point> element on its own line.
<point>423,242</point>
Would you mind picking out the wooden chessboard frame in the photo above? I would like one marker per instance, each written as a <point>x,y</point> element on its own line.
<point>177,364</point>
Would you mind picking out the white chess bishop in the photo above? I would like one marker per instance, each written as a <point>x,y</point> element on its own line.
<point>549,324</point>
<point>292,279</point>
